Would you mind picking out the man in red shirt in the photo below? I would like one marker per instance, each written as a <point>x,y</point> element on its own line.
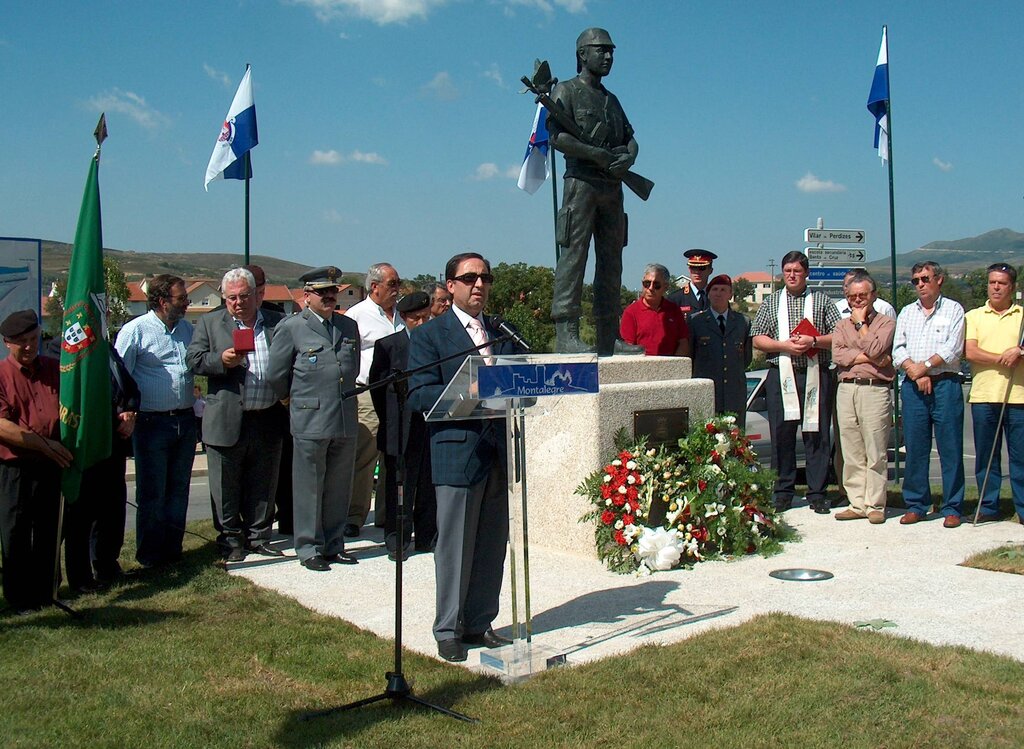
<point>30,448</point>
<point>652,321</point>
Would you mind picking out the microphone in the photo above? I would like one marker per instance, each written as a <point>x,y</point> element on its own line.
<point>506,328</point>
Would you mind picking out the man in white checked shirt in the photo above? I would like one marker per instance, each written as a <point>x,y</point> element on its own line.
<point>240,429</point>
<point>927,348</point>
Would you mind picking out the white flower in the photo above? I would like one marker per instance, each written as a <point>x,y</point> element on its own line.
<point>721,439</point>
<point>630,479</point>
<point>721,530</point>
<point>622,490</point>
<point>715,468</point>
<point>643,571</point>
<point>729,419</point>
<point>618,525</point>
<point>631,532</point>
<point>631,465</point>
<point>753,487</point>
<point>608,503</point>
<point>616,462</point>
<point>651,452</point>
<point>607,478</point>
<point>659,549</point>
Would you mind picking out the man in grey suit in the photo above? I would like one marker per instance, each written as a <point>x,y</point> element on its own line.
<point>231,347</point>
<point>722,349</point>
<point>314,359</point>
<point>468,463</point>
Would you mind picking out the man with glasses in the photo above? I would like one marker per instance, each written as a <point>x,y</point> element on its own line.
<point>231,347</point>
<point>440,299</point>
<point>314,359</point>
<point>693,297</point>
<point>653,322</point>
<point>794,329</point>
<point>376,317</point>
<point>862,351</point>
<point>153,348</point>
<point>928,344</point>
<point>469,467</point>
<point>993,347</point>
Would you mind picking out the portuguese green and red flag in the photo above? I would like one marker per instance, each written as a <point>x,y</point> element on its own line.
<point>85,401</point>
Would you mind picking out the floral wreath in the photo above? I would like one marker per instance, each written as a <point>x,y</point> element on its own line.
<point>658,508</point>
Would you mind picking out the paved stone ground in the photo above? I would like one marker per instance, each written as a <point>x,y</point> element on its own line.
<point>909,575</point>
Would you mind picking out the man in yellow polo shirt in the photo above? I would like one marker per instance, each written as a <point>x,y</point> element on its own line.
<point>993,347</point>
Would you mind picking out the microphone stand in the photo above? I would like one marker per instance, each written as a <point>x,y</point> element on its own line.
<point>397,687</point>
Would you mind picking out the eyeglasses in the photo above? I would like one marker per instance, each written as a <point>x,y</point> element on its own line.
<point>233,298</point>
<point>446,301</point>
<point>920,279</point>
<point>855,297</point>
<point>470,279</point>
<point>649,284</point>
<point>176,299</point>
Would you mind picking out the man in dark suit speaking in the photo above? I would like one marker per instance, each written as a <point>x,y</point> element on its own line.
<point>231,346</point>
<point>469,466</point>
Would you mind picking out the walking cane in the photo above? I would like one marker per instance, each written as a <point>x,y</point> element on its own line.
<point>999,426</point>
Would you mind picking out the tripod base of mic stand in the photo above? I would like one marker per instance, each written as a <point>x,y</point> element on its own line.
<point>397,689</point>
<point>66,609</point>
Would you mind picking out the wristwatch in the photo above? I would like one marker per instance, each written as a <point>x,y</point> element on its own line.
<point>859,325</point>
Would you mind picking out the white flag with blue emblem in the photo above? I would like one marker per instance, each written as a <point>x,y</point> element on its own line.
<point>878,99</point>
<point>237,136</point>
<point>535,164</point>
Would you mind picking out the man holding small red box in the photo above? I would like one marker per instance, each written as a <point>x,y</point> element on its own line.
<point>231,347</point>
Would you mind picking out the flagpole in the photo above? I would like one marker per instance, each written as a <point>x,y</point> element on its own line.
<point>248,174</point>
<point>554,200</point>
<point>892,246</point>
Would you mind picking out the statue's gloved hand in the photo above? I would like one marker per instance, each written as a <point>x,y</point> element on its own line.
<point>621,164</point>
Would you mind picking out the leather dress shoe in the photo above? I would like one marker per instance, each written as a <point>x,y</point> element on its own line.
<point>821,508</point>
<point>781,505</point>
<point>89,586</point>
<point>237,554</point>
<point>849,514</point>
<point>910,518</point>
<point>987,518</point>
<point>489,639</point>
<point>876,517</point>
<point>951,521</point>
<point>341,558</point>
<point>451,650</point>
<point>351,530</point>
<point>265,550</point>
<point>317,564</point>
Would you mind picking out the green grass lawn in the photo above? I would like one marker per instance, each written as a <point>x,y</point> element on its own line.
<point>191,657</point>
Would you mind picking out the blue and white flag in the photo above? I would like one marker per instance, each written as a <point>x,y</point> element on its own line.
<point>237,136</point>
<point>535,164</point>
<point>878,100</point>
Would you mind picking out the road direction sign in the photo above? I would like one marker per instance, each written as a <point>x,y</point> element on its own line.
<point>846,255</point>
<point>843,236</point>
<point>827,274</point>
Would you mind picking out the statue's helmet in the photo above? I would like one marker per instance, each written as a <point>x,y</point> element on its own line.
<point>594,37</point>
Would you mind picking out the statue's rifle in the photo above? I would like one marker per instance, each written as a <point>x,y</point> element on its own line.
<point>638,184</point>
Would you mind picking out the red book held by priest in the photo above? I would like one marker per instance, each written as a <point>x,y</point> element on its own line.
<point>806,327</point>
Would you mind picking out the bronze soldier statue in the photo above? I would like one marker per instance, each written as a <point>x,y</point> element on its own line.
<point>599,151</point>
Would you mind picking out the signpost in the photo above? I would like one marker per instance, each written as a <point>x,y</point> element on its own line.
<point>836,255</point>
<point>842,236</point>
<point>827,274</point>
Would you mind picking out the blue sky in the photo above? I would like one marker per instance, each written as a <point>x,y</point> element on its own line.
<point>392,129</point>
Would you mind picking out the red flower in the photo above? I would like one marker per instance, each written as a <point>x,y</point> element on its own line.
<point>625,455</point>
<point>702,485</point>
<point>734,432</point>
<point>634,505</point>
<point>715,457</point>
<point>632,492</point>
<point>620,538</point>
<point>701,534</point>
<point>628,520</point>
<point>610,469</point>
<point>607,517</point>
<point>751,548</point>
<point>711,428</point>
<point>618,499</point>
<point>606,491</point>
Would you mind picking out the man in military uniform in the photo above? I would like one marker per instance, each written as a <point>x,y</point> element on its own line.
<point>592,203</point>
<point>693,296</point>
<point>314,359</point>
<point>721,348</point>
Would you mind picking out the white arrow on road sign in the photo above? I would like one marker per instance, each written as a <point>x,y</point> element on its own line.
<point>849,236</point>
<point>845,255</point>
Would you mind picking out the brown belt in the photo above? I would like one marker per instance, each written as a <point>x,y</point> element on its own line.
<point>867,381</point>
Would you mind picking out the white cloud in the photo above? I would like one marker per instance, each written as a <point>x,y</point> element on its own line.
<point>381,12</point>
<point>218,75</point>
<point>513,171</point>
<point>326,158</point>
<point>130,104</point>
<point>943,165</point>
<point>336,158</point>
<point>333,216</point>
<point>810,183</point>
<point>487,170</point>
<point>368,158</point>
<point>572,6</point>
<point>441,88</point>
<point>494,74</point>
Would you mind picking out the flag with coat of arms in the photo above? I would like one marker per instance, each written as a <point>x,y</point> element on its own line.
<point>238,136</point>
<point>86,415</point>
<point>878,99</point>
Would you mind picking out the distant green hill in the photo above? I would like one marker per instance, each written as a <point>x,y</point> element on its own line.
<point>137,265</point>
<point>958,256</point>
